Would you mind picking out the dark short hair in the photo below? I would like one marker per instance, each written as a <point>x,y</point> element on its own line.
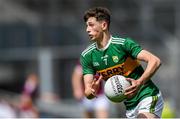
<point>100,13</point>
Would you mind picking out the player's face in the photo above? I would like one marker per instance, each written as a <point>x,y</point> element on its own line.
<point>94,28</point>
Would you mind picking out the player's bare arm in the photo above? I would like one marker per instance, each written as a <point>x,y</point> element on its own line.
<point>153,63</point>
<point>91,85</point>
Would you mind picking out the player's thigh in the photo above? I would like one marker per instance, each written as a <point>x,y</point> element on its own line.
<point>151,106</point>
<point>146,115</point>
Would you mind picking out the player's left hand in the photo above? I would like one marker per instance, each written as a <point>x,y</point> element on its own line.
<point>133,89</point>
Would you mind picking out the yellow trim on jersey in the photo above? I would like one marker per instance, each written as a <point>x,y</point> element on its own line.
<point>122,69</point>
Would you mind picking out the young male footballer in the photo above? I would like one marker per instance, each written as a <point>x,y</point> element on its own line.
<point>110,55</point>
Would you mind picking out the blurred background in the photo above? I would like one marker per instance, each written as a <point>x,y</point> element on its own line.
<point>45,38</point>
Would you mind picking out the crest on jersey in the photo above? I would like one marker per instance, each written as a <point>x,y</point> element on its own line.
<point>115,59</point>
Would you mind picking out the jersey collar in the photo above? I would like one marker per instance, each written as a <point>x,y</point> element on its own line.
<point>104,48</point>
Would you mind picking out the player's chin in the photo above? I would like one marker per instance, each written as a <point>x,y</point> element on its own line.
<point>92,39</point>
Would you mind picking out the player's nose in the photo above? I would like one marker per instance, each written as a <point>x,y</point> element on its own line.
<point>88,30</point>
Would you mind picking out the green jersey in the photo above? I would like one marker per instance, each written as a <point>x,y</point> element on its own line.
<point>118,57</point>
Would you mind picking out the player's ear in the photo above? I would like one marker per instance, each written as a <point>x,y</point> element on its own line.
<point>104,25</point>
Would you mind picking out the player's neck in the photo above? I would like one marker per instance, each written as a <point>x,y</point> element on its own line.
<point>104,40</point>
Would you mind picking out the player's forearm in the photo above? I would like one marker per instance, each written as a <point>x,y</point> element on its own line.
<point>88,80</point>
<point>152,66</point>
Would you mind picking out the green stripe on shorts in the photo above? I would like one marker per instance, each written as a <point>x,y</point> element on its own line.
<point>154,101</point>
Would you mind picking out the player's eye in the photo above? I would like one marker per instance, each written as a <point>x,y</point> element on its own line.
<point>90,24</point>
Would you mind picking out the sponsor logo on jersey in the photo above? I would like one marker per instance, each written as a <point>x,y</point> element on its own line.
<point>95,64</point>
<point>124,69</point>
<point>115,59</point>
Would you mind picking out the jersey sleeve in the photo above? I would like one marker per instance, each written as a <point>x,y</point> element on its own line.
<point>132,47</point>
<point>86,65</point>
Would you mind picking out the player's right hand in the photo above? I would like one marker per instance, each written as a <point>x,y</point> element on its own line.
<point>95,85</point>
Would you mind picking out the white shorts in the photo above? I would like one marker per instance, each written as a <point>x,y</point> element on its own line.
<point>101,102</point>
<point>153,104</point>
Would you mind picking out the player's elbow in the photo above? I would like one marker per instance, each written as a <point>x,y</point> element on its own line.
<point>157,62</point>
